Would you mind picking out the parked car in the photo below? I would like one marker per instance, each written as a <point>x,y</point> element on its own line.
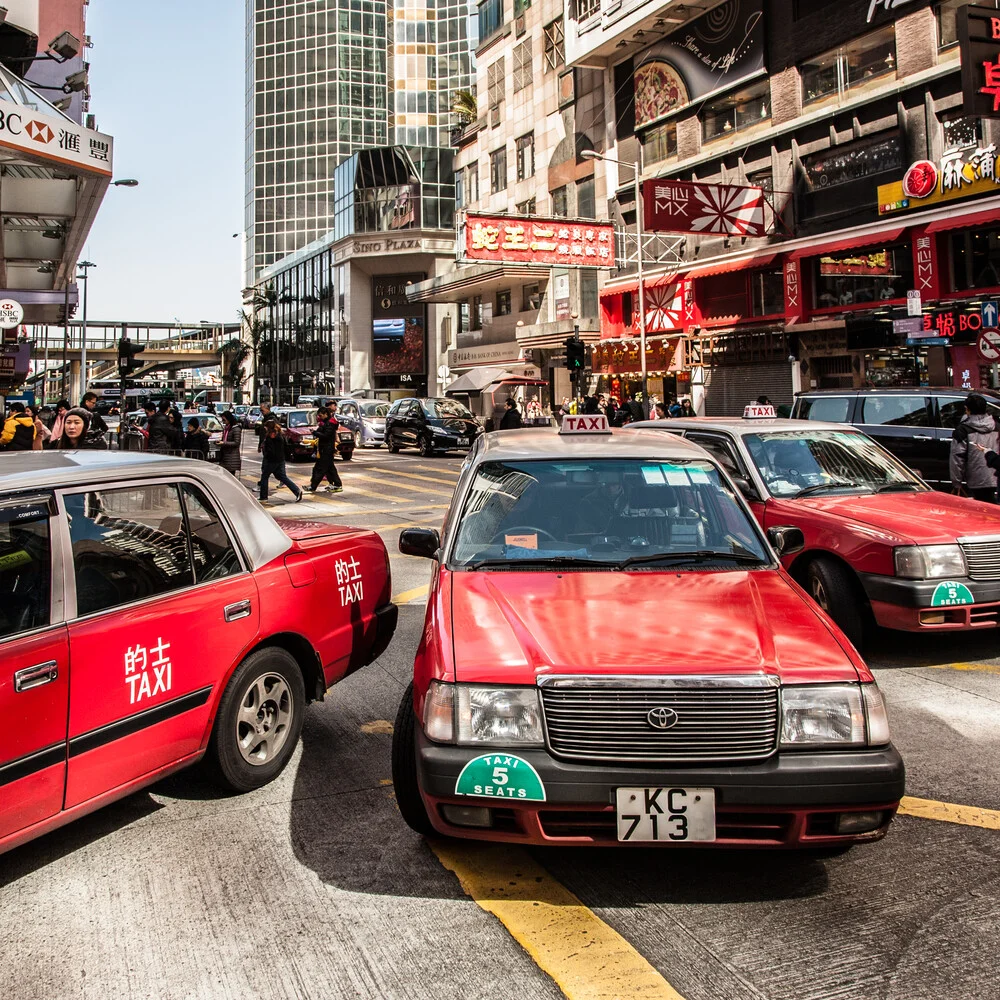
<point>122,565</point>
<point>726,710</point>
<point>253,416</point>
<point>432,425</point>
<point>298,429</point>
<point>365,418</point>
<point>880,547</point>
<point>914,424</point>
<point>240,411</point>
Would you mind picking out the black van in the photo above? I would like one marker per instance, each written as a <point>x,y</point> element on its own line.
<point>914,424</point>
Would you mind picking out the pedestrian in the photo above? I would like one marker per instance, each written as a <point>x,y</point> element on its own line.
<point>97,433</point>
<point>659,411</point>
<point>675,409</point>
<point>590,405</point>
<point>210,408</point>
<point>196,441</point>
<point>272,461</point>
<point>511,419</point>
<point>163,436</point>
<point>971,474</point>
<point>635,408</point>
<point>610,409</point>
<point>623,415</point>
<point>230,457</point>
<point>18,430</point>
<point>325,466</point>
<point>687,410</point>
<point>62,408</point>
<point>75,431</point>
<point>265,416</point>
<point>42,433</point>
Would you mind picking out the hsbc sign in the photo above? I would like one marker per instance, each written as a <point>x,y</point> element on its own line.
<point>55,139</point>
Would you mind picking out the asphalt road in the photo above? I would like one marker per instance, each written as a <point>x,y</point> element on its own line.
<point>314,888</point>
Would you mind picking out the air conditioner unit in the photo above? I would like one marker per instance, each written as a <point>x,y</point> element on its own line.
<point>495,116</point>
<point>519,26</point>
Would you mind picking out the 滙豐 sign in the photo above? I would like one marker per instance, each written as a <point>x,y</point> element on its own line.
<point>959,174</point>
<point>24,129</point>
<point>716,51</point>
<point>11,314</point>
<point>689,207</point>
<point>978,31</point>
<point>506,239</point>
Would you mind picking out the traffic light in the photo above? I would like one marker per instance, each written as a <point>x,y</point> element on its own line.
<point>127,362</point>
<point>576,354</point>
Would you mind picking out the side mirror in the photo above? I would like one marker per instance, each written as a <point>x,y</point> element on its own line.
<point>746,488</point>
<point>786,540</point>
<point>422,542</point>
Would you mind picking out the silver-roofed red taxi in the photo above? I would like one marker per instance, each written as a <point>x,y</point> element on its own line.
<point>151,614</point>
<point>613,654</point>
<point>880,545</point>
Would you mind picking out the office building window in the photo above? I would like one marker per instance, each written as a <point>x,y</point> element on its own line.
<point>526,207</point>
<point>531,298</point>
<point>555,45</point>
<point>560,202</point>
<point>472,183</point>
<point>587,8</point>
<point>498,170</point>
<point>947,14</point>
<point>490,18</point>
<point>503,303</point>
<point>525,147</point>
<point>737,111</point>
<point>459,189</point>
<point>522,65</point>
<point>660,143</point>
<point>470,315</point>
<point>852,65</point>
<point>495,82</point>
<point>588,294</point>
<point>586,205</point>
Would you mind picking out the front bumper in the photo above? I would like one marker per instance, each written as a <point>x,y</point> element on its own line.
<point>789,800</point>
<point>909,605</point>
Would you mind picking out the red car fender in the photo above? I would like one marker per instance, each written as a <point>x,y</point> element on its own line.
<point>435,659</point>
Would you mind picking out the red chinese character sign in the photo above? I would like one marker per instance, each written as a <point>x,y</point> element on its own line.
<point>506,239</point>
<point>689,207</point>
<point>979,42</point>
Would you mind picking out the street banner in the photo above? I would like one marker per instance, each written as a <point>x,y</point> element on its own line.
<point>507,239</point>
<point>689,207</point>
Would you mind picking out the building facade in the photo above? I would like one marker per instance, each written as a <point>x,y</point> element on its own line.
<point>880,263</point>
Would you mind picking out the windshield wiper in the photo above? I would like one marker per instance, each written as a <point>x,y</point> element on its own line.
<point>539,561</point>
<point>740,555</point>
<point>810,490</point>
<point>898,487</point>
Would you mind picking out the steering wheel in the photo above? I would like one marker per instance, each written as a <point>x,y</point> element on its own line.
<point>524,529</point>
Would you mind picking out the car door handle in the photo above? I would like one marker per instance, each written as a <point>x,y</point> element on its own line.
<point>234,612</point>
<point>922,437</point>
<point>36,676</point>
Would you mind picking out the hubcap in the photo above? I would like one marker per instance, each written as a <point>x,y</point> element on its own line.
<point>264,717</point>
<point>357,439</point>
<point>819,593</point>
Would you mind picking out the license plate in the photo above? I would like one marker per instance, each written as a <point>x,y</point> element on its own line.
<point>670,815</point>
<point>463,442</point>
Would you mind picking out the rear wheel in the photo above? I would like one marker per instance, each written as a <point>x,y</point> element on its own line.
<point>390,443</point>
<point>404,767</point>
<point>835,590</point>
<point>358,440</point>
<point>426,446</point>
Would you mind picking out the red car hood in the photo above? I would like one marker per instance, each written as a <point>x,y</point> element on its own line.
<point>514,627</point>
<point>924,518</point>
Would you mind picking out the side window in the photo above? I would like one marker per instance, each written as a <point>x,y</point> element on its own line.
<point>901,411</point>
<point>128,545</point>
<point>719,449</point>
<point>25,569</point>
<point>832,408</point>
<point>952,409</point>
<point>213,553</point>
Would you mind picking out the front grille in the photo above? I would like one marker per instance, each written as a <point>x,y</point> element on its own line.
<point>983,559</point>
<point>715,723</point>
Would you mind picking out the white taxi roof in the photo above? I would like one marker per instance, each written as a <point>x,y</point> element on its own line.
<point>739,426</point>
<point>533,443</point>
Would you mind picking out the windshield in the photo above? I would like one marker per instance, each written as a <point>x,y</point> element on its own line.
<point>792,463</point>
<point>302,418</point>
<point>207,422</point>
<point>446,408</point>
<point>374,409</point>
<point>617,512</point>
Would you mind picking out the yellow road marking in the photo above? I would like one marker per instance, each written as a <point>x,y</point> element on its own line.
<point>412,475</point>
<point>984,668</point>
<point>404,486</point>
<point>411,595</point>
<point>947,812</point>
<point>380,727</point>
<point>587,959</point>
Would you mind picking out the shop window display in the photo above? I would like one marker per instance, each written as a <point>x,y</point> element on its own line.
<point>865,275</point>
<point>842,69</point>
<point>975,258</point>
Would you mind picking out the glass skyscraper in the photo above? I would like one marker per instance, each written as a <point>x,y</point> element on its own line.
<point>326,78</point>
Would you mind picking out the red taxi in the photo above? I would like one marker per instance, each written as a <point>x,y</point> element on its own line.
<point>152,614</point>
<point>881,547</point>
<point>613,654</point>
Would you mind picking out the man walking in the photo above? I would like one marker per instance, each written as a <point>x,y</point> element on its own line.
<point>272,461</point>
<point>98,431</point>
<point>976,434</point>
<point>511,418</point>
<point>326,450</point>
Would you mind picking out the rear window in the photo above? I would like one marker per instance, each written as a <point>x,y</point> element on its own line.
<point>901,411</point>
<point>832,408</point>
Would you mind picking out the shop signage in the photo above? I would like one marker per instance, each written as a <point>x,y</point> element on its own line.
<point>505,239</point>
<point>959,174</point>
<point>11,314</point>
<point>877,262</point>
<point>398,328</point>
<point>988,346</point>
<point>979,43</point>
<point>794,310</point>
<point>53,138</point>
<point>913,304</point>
<point>889,7</point>
<point>951,323</point>
<point>15,360</point>
<point>991,312</point>
<point>488,354</point>
<point>687,207</point>
<point>912,326</point>
<point>925,264</point>
<point>713,53</point>
<point>927,341</point>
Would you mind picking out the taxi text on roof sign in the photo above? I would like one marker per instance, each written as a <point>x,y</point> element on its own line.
<point>506,239</point>
<point>757,412</point>
<point>585,424</point>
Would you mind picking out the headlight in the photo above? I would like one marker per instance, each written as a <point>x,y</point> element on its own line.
<point>822,715</point>
<point>508,716</point>
<point>929,562</point>
<point>440,430</point>
<point>439,712</point>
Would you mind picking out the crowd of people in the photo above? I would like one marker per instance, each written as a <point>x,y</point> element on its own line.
<point>64,426</point>
<point>628,410</point>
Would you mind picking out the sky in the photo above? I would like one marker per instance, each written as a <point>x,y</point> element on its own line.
<point>167,81</point>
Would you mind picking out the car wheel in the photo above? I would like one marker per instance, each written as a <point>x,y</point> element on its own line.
<point>358,440</point>
<point>390,443</point>
<point>404,767</point>
<point>259,721</point>
<point>426,446</point>
<point>347,454</point>
<point>833,588</point>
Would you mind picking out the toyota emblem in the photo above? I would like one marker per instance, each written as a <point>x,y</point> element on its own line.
<point>661,718</point>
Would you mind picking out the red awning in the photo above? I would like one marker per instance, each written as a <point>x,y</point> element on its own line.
<point>621,287</point>
<point>738,264</point>
<point>961,221</point>
<point>848,243</point>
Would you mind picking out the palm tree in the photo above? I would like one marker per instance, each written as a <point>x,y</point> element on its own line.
<point>464,104</point>
<point>266,297</point>
<point>254,330</point>
<point>234,353</point>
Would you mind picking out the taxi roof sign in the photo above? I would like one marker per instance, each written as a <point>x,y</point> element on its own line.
<point>586,423</point>
<point>758,411</point>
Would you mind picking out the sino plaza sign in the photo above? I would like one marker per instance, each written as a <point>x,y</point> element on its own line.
<point>505,239</point>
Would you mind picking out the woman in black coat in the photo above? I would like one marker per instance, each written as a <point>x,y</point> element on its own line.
<point>229,450</point>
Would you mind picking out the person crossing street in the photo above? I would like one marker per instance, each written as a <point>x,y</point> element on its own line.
<point>326,450</point>
<point>273,461</point>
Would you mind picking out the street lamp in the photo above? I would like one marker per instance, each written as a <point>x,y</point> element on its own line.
<point>85,265</point>
<point>636,168</point>
<point>127,182</point>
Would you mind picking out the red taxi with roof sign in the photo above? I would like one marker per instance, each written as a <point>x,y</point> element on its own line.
<point>151,614</point>
<point>880,545</point>
<point>613,654</point>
